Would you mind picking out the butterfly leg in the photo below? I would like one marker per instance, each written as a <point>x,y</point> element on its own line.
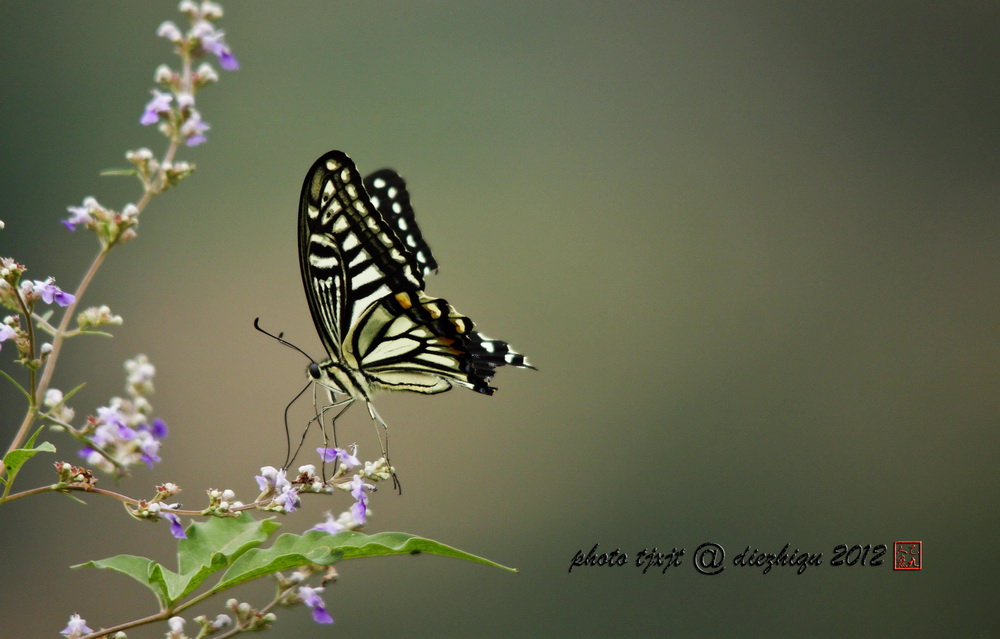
<point>320,416</point>
<point>384,445</point>
<point>343,405</point>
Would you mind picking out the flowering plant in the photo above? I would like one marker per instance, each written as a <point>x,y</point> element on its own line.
<point>229,544</point>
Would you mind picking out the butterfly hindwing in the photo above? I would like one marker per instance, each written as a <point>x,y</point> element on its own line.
<point>388,193</point>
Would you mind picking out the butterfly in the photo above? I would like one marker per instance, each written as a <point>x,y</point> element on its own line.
<point>363,262</point>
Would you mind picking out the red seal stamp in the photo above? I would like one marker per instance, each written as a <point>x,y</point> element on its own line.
<point>907,555</point>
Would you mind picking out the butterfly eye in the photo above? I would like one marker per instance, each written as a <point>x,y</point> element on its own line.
<point>314,370</point>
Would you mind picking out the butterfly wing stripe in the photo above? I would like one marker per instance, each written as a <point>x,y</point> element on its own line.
<point>392,199</point>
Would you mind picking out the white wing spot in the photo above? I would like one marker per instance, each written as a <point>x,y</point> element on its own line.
<point>509,358</point>
<point>488,347</point>
<point>375,201</point>
<point>349,242</point>
<point>352,191</point>
<point>396,207</point>
<point>379,183</point>
<point>345,175</point>
<point>392,192</point>
<point>332,165</point>
<point>410,241</point>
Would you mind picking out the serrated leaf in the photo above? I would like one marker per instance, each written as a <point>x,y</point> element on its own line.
<point>144,570</point>
<point>318,547</point>
<point>213,545</point>
<point>210,547</point>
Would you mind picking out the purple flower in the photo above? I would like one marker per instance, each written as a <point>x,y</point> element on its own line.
<point>49,293</point>
<point>77,627</point>
<point>311,598</point>
<point>359,510</point>
<point>150,447</point>
<point>6,333</point>
<point>114,418</point>
<point>158,428</point>
<point>78,215</point>
<point>212,41</point>
<point>176,529</point>
<point>333,454</point>
<point>271,479</point>
<point>159,105</point>
<point>226,59</point>
<point>330,525</point>
<point>288,499</point>
<point>194,129</point>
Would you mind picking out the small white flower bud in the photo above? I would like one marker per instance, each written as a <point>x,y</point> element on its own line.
<point>169,31</point>
<point>206,73</point>
<point>210,10</point>
<point>163,74</point>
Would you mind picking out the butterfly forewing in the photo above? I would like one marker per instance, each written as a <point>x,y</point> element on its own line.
<point>363,260</point>
<point>348,255</point>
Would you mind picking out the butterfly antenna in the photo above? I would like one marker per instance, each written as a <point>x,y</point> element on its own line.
<point>280,338</point>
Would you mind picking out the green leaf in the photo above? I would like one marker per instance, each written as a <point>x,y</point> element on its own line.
<point>215,544</point>
<point>318,547</point>
<point>144,570</point>
<point>20,456</point>
<point>13,381</point>
<point>210,547</point>
<point>220,542</point>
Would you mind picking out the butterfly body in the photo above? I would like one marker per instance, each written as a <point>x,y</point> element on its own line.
<point>363,263</point>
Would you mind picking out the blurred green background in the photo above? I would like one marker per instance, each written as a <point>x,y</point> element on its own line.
<point>752,247</point>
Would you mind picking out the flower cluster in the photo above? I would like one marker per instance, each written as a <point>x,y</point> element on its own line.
<point>157,507</point>
<point>295,591</point>
<point>274,485</point>
<point>174,107</point>
<point>31,291</point>
<point>111,227</point>
<point>21,296</point>
<point>95,317</point>
<point>123,434</point>
<point>207,627</point>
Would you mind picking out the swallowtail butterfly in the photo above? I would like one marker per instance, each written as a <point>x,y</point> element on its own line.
<point>363,263</point>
